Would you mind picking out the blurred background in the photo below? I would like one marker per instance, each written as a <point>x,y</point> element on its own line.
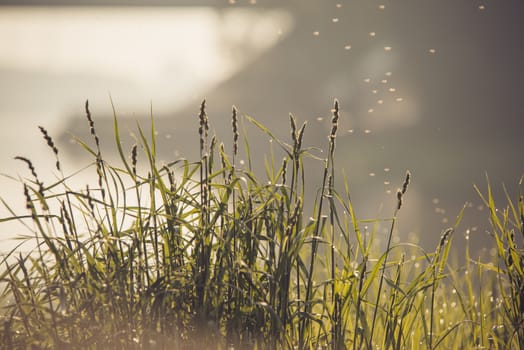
<point>430,86</point>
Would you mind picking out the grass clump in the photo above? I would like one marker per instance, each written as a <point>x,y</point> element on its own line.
<point>205,254</point>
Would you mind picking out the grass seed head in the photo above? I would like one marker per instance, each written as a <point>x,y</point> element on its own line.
<point>28,202</point>
<point>445,236</point>
<point>134,158</point>
<point>203,125</point>
<point>293,123</point>
<point>33,172</point>
<point>284,170</point>
<point>399,199</point>
<point>234,124</point>
<point>51,144</point>
<point>406,182</point>
<point>334,120</point>
<point>92,125</point>
<point>301,135</point>
<point>334,128</point>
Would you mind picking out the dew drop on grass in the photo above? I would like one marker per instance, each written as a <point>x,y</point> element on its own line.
<point>372,34</point>
<point>347,47</point>
<point>388,74</point>
<point>371,174</point>
<point>384,81</point>
<point>350,131</point>
<point>432,51</point>
<point>381,7</point>
<point>338,6</point>
<point>367,131</point>
<point>380,102</point>
<point>334,20</point>
<point>242,162</point>
<point>399,99</point>
<point>316,33</point>
<point>371,110</point>
<point>367,80</point>
<point>386,183</point>
<point>387,48</point>
<point>482,7</point>
<point>374,91</point>
<point>319,119</point>
<point>392,89</point>
<point>387,170</point>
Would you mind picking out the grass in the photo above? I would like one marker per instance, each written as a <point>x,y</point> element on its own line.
<point>206,254</point>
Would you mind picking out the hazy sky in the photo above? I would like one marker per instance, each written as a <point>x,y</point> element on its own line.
<point>431,86</point>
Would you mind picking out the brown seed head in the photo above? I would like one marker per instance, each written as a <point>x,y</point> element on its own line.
<point>406,182</point>
<point>51,144</point>
<point>134,158</point>
<point>234,124</point>
<point>399,199</point>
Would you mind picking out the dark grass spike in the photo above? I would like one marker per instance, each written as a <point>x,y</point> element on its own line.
<point>401,192</point>
<point>334,128</point>
<point>406,182</point>
<point>211,157</point>
<point>300,135</point>
<point>29,165</point>
<point>92,126</point>
<point>445,236</point>
<point>28,201</point>
<point>33,172</point>
<point>284,172</point>
<point>293,123</point>
<point>236,134</point>
<point>134,159</point>
<point>99,162</point>
<point>51,144</point>
<point>203,127</point>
